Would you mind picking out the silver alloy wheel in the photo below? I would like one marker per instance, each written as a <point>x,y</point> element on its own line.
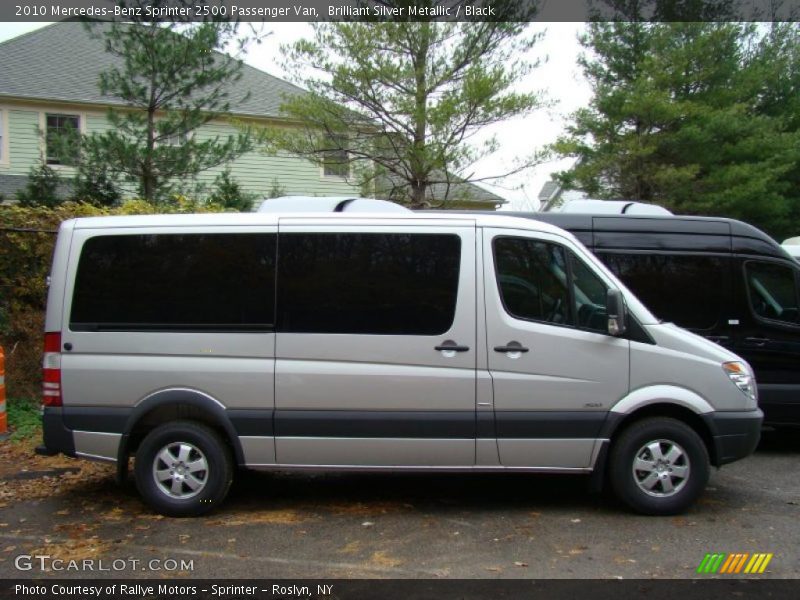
<point>661,468</point>
<point>180,470</point>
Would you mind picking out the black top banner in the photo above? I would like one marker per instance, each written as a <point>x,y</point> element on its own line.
<point>275,11</point>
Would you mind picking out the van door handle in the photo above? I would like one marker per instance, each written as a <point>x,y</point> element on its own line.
<point>451,346</point>
<point>756,342</point>
<point>511,347</point>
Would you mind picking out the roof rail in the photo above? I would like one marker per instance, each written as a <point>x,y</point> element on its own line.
<point>329,204</point>
<point>611,207</point>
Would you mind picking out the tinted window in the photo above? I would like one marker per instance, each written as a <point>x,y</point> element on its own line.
<point>532,277</point>
<point>687,290</point>
<point>369,283</point>
<point>183,282</point>
<point>772,290</point>
<point>590,298</point>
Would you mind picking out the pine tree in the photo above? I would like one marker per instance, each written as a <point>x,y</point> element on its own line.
<point>173,79</point>
<point>678,118</point>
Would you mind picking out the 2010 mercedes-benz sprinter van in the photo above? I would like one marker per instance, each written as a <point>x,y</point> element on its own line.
<point>197,343</point>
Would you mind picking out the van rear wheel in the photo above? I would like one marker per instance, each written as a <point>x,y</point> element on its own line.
<point>183,469</point>
<point>659,466</point>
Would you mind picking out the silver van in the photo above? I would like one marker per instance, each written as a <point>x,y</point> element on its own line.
<point>428,342</point>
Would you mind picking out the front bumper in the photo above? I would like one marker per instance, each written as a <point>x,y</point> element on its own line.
<point>735,434</point>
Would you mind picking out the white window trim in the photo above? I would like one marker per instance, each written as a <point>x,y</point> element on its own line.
<point>5,160</point>
<point>189,136</point>
<point>43,132</point>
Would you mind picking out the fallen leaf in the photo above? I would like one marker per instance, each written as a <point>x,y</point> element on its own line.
<point>382,558</point>
<point>520,564</point>
<point>350,547</point>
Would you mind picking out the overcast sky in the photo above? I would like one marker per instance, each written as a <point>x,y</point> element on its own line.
<point>559,77</point>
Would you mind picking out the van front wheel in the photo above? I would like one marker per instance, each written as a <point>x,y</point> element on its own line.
<point>183,469</point>
<point>659,466</point>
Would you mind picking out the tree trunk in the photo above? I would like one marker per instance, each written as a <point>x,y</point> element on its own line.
<point>418,160</point>
<point>148,176</point>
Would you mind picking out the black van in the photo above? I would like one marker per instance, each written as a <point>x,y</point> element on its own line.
<point>721,278</point>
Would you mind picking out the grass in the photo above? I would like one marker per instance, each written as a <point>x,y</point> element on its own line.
<point>24,420</point>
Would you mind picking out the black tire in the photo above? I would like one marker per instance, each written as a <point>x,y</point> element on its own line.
<point>668,446</point>
<point>191,445</point>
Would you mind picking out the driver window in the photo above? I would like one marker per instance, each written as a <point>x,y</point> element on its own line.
<point>590,298</point>
<point>532,277</point>
<point>772,291</point>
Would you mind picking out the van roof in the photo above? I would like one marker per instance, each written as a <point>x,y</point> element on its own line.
<point>744,238</point>
<point>500,220</point>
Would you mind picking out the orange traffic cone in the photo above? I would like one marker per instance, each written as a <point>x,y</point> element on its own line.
<point>3,417</point>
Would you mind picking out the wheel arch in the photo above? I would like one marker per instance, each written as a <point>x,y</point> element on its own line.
<point>172,405</point>
<point>663,401</point>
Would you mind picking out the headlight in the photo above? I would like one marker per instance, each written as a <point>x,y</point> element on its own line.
<point>741,377</point>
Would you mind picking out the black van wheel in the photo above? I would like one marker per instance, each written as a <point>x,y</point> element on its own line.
<point>659,466</point>
<point>183,469</point>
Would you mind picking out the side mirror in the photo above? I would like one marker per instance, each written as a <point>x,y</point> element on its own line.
<point>617,316</point>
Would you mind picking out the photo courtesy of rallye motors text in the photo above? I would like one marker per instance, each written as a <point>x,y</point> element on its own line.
<point>145,590</point>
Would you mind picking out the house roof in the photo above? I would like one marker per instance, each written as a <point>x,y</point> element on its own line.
<point>62,62</point>
<point>458,191</point>
<point>465,191</point>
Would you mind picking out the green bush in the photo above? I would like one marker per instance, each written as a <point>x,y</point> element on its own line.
<point>228,194</point>
<point>95,187</point>
<point>23,418</point>
<point>41,188</point>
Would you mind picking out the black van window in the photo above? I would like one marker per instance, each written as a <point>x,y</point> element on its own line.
<point>773,291</point>
<point>684,289</point>
<point>183,282</point>
<point>368,283</point>
<point>532,278</point>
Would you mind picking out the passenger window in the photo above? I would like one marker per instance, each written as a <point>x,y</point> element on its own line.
<point>368,283</point>
<point>166,282</point>
<point>684,289</point>
<point>590,297</point>
<point>773,291</point>
<point>532,277</point>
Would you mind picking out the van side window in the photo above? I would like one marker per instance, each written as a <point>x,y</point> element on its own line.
<point>659,279</point>
<point>533,279</point>
<point>773,291</point>
<point>590,297</point>
<point>175,282</point>
<point>368,283</point>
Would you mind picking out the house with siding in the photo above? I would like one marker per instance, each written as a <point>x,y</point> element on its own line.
<point>49,81</point>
